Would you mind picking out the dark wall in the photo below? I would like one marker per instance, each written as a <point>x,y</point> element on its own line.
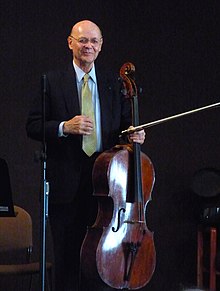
<point>175,48</point>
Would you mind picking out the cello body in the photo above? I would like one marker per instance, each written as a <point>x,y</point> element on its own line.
<point>119,248</point>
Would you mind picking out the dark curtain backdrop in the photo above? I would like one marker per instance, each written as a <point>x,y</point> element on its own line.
<point>175,48</point>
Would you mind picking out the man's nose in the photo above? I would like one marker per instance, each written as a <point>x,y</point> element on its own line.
<point>89,44</point>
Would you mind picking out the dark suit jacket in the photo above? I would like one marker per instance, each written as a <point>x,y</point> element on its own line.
<point>64,155</point>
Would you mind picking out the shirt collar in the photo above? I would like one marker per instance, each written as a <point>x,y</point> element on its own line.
<point>80,73</point>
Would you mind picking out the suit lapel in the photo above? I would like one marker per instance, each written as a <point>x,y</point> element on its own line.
<point>105,102</point>
<point>70,92</point>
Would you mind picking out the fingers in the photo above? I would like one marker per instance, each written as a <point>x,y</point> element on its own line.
<point>138,136</point>
<point>86,127</point>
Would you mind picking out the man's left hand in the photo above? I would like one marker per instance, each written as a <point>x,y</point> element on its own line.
<point>137,136</point>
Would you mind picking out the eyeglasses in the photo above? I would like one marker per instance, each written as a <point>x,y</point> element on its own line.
<point>85,40</point>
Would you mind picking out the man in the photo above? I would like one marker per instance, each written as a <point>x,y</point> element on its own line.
<point>69,168</point>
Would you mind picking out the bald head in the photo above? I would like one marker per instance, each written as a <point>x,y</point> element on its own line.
<point>85,24</point>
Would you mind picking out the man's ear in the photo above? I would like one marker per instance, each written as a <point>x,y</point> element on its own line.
<point>69,41</point>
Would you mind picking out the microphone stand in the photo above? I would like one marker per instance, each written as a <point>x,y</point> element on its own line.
<point>159,121</point>
<point>45,193</point>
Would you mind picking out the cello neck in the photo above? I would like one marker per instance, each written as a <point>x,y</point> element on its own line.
<point>137,162</point>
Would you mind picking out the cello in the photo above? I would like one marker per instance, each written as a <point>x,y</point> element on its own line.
<point>118,249</point>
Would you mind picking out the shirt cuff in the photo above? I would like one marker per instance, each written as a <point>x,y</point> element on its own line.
<point>60,131</point>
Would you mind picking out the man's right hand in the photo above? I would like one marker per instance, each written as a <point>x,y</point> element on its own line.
<point>79,124</point>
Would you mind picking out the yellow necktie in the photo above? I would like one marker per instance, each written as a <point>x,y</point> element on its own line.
<point>89,141</point>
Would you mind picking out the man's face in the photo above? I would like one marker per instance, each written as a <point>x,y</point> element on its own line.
<point>85,42</point>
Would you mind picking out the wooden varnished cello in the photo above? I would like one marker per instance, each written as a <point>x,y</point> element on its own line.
<point>119,248</point>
